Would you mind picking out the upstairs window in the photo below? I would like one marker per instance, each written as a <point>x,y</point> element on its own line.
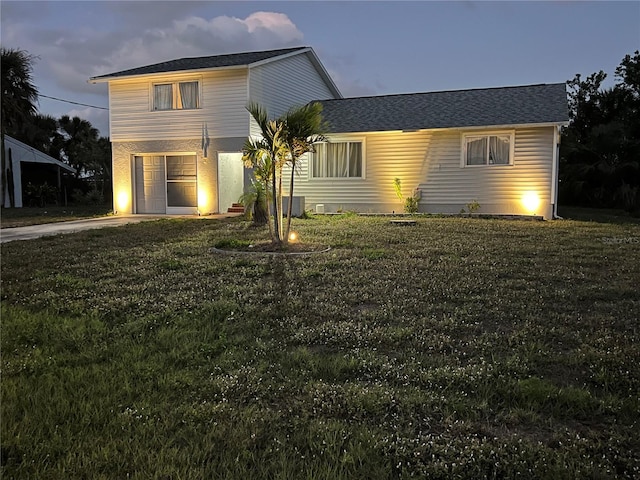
<point>176,96</point>
<point>337,160</point>
<point>492,149</point>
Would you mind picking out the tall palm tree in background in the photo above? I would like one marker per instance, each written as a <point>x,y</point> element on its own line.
<point>80,140</point>
<point>19,99</point>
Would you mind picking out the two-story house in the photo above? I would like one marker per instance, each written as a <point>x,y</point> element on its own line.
<point>177,128</point>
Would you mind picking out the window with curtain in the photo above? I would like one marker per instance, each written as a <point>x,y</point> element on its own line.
<point>488,149</point>
<point>163,97</point>
<point>337,160</point>
<point>176,96</point>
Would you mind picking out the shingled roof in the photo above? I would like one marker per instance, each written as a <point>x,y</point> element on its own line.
<point>531,104</point>
<point>199,63</point>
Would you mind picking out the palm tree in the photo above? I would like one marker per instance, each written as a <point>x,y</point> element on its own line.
<point>255,156</point>
<point>303,126</point>
<point>41,132</point>
<point>19,98</point>
<point>80,142</point>
<point>284,140</point>
<point>268,154</point>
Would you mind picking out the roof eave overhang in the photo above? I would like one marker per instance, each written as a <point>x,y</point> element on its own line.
<point>194,71</point>
<point>459,128</point>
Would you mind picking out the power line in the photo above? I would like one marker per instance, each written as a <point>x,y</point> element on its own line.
<point>74,103</point>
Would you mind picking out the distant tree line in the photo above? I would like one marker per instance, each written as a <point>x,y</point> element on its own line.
<point>71,140</point>
<point>600,150</point>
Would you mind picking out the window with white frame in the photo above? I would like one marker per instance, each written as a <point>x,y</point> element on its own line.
<point>338,159</point>
<point>176,95</point>
<point>487,149</point>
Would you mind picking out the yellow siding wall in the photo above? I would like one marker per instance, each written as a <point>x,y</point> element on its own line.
<point>430,160</point>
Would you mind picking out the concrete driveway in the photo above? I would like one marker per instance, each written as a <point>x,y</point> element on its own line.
<point>37,231</point>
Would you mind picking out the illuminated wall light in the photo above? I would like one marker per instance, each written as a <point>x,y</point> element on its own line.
<point>203,201</point>
<point>531,201</point>
<point>123,203</point>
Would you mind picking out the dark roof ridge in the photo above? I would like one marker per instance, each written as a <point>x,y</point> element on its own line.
<point>406,94</point>
<point>248,52</point>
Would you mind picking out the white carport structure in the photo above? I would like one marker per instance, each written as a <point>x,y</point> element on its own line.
<point>18,153</point>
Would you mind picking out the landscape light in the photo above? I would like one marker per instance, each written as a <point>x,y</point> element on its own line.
<point>293,237</point>
<point>531,201</point>
<point>203,199</point>
<point>122,203</point>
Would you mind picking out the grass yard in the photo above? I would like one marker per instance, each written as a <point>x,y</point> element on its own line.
<point>454,349</point>
<point>23,217</point>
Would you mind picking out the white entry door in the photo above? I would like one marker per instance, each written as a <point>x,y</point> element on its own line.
<point>230,179</point>
<point>150,184</point>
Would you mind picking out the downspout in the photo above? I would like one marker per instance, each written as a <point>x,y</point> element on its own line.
<point>554,172</point>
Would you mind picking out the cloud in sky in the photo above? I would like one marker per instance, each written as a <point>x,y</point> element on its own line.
<point>71,57</point>
<point>372,48</point>
<point>197,36</point>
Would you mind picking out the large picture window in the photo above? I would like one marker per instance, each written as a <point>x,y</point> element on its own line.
<point>491,149</point>
<point>337,160</point>
<point>176,96</point>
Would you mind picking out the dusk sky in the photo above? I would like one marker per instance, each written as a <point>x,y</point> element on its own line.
<point>369,48</point>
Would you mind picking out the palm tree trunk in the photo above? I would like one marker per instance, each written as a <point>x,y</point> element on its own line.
<point>286,233</point>
<point>276,233</point>
<point>266,200</point>
<point>280,206</point>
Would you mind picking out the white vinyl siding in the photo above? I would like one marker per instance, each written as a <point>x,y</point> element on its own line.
<point>385,156</point>
<point>223,98</point>
<point>430,160</point>
<point>292,81</point>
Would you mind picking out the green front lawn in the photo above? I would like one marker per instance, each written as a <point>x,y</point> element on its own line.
<point>22,217</point>
<point>456,348</point>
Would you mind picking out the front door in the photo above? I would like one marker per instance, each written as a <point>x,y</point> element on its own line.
<point>230,179</point>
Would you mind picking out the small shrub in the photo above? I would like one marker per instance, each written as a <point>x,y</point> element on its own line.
<point>40,195</point>
<point>92,197</point>
<point>411,204</point>
<point>473,206</point>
